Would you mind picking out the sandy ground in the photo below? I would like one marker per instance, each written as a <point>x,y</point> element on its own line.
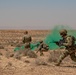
<point>34,66</point>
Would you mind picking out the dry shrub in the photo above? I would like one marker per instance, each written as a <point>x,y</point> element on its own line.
<point>26,52</point>
<point>31,54</point>
<point>1,53</point>
<point>9,54</point>
<point>40,62</point>
<point>54,55</point>
<point>27,61</point>
<point>1,47</point>
<point>9,69</point>
<point>9,64</point>
<point>17,55</point>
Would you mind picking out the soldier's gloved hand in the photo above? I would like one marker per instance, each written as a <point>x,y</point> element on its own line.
<point>57,43</point>
<point>60,44</point>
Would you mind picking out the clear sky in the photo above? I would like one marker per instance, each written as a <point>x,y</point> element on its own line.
<point>37,14</point>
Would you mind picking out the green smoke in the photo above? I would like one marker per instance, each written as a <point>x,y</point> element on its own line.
<point>55,36</point>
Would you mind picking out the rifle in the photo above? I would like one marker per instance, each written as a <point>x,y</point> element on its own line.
<point>59,43</point>
<point>42,47</point>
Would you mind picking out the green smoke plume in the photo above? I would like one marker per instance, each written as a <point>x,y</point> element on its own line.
<point>55,36</point>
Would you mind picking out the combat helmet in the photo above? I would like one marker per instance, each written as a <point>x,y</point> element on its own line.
<point>63,32</point>
<point>26,32</point>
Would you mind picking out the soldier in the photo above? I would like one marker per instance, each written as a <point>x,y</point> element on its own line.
<point>26,39</point>
<point>42,47</point>
<point>69,43</point>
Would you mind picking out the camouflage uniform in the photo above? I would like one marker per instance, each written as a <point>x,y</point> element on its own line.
<point>42,47</point>
<point>26,39</point>
<point>69,43</point>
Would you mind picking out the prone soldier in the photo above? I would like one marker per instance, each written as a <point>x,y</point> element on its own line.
<point>42,47</point>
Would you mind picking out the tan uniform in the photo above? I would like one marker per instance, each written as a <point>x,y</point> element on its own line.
<point>26,40</point>
<point>69,50</point>
<point>42,47</point>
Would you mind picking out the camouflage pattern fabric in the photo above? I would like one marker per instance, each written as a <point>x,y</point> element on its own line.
<point>42,47</point>
<point>26,40</point>
<point>69,50</point>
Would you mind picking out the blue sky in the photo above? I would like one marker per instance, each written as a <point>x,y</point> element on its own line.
<point>37,14</point>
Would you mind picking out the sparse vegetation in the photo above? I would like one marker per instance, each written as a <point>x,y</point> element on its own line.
<point>54,55</point>
<point>31,64</point>
<point>31,54</point>
<point>40,62</point>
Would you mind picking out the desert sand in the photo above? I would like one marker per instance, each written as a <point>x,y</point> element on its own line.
<point>42,65</point>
